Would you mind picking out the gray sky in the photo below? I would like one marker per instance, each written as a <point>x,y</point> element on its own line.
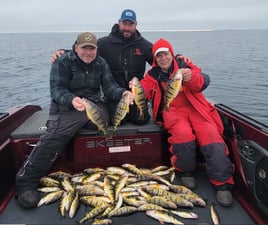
<point>100,15</point>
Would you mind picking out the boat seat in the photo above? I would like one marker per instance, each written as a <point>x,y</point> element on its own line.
<point>35,125</point>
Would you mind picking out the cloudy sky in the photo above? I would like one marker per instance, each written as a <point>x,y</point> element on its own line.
<point>100,15</point>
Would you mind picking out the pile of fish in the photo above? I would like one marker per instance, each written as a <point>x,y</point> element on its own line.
<point>118,191</point>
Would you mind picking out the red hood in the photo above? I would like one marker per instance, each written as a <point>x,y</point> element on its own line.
<point>161,43</point>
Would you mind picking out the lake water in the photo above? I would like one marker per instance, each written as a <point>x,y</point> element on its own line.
<point>237,62</point>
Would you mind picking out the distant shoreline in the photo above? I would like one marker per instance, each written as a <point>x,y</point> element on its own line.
<point>141,30</point>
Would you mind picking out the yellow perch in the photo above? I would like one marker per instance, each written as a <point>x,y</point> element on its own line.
<point>173,88</point>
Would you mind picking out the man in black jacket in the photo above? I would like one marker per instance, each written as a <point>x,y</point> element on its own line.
<point>127,53</point>
<point>77,74</point>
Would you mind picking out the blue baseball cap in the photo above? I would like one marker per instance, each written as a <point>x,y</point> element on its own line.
<point>128,14</point>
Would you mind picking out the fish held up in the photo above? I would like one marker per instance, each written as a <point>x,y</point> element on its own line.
<point>139,96</point>
<point>173,87</point>
<point>95,115</point>
<point>122,109</point>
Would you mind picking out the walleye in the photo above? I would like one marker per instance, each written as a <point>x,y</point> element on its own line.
<point>95,115</point>
<point>139,96</point>
<point>122,109</point>
<point>173,87</point>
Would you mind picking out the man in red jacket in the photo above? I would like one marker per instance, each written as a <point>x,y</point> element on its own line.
<point>190,120</point>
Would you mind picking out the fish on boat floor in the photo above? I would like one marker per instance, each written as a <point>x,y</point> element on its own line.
<point>14,214</point>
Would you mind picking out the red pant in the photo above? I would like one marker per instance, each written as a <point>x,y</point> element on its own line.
<point>188,128</point>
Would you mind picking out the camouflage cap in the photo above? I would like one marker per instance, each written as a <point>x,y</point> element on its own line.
<point>85,39</point>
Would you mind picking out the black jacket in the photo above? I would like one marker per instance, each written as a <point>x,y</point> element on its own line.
<point>126,57</point>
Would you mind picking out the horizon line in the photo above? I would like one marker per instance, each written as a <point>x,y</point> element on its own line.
<point>142,30</point>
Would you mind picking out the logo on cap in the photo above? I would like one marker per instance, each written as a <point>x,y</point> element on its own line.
<point>128,14</point>
<point>88,37</point>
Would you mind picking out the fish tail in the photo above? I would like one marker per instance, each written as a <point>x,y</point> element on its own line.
<point>141,117</point>
<point>110,134</point>
<point>166,108</point>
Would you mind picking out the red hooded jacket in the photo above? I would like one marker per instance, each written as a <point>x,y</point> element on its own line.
<point>192,89</point>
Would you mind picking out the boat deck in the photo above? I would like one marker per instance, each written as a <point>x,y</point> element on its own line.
<point>49,214</point>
